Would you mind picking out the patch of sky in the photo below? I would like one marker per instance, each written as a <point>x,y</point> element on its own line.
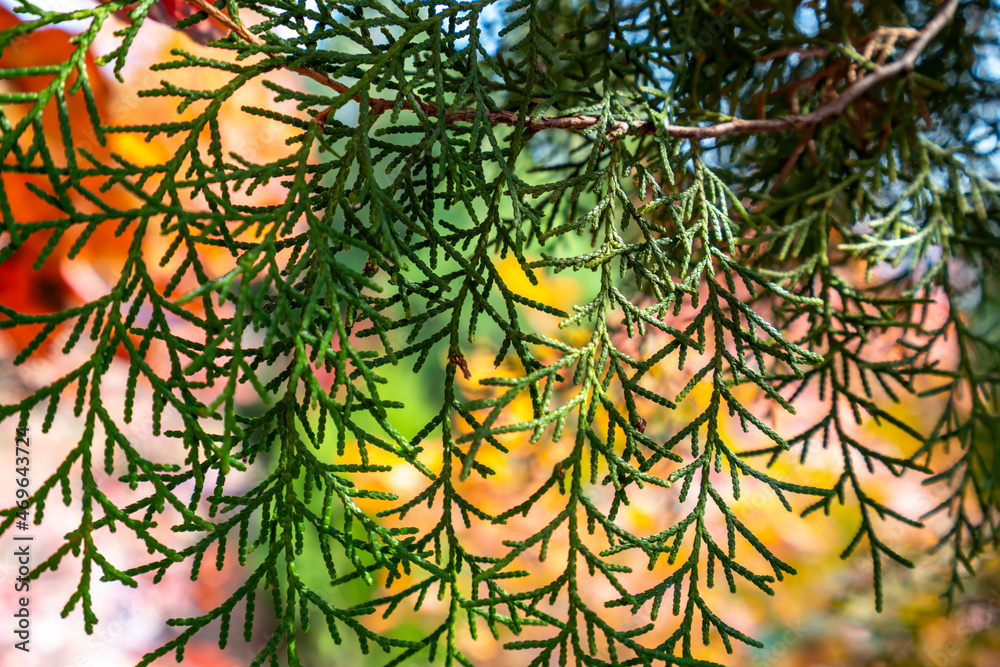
<point>290,33</point>
<point>65,6</point>
<point>664,77</point>
<point>806,20</point>
<point>982,137</point>
<point>988,65</point>
<point>491,22</point>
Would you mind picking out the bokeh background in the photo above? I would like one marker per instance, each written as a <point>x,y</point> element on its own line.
<point>823,616</point>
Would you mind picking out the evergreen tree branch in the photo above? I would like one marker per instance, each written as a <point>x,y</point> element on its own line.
<point>734,263</point>
<point>615,128</point>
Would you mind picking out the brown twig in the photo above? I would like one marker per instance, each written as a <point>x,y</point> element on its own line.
<point>224,19</point>
<point>803,52</point>
<point>789,165</point>
<point>872,39</point>
<point>834,107</point>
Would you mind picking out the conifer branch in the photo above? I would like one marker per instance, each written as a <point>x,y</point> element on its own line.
<point>265,347</point>
<point>614,128</point>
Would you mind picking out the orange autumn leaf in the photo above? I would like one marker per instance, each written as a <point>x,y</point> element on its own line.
<point>57,285</point>
<point>21,287</point>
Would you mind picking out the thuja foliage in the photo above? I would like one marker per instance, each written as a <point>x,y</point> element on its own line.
<point>725,170</point>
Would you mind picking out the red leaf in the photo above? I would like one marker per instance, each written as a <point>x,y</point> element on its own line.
<point>169,12</point>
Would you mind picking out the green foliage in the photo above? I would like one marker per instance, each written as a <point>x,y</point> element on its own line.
<point>730,256</point>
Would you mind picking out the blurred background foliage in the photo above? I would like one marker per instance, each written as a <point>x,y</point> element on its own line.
<point>822,616</point>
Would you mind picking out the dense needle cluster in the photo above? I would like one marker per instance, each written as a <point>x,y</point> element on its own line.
<point>721,168</point>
